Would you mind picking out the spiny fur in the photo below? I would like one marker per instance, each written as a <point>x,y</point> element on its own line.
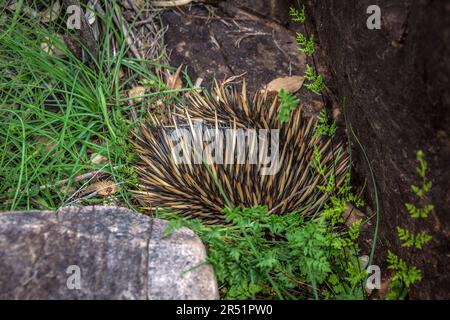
<point>203,191</point>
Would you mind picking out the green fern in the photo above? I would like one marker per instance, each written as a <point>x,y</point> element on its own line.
<point>270,255</point>
<point>403,273</point>
<point>409,239</point>
<point>334,211</point>
<point>297,15</point>
<point>325,126</point>
<point>406,237</point>
<point>422,239</point>
<point>305,45</point>
<point>421,191</point>
<point>316,83</point>
<point>405,276</point>
<point>329,186</point>
<point>422,169</point>
<point>317,162</point>
<point>288,104</point>
<point>417,213</point>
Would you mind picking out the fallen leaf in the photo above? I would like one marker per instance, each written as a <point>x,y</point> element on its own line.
<point>352,215</point>
<point>98,159</point>
<point>198,82</point>
<point>49,46</point>
<point>336,113</point>
<point>90,12</point>
<point>174,81</point>
<point>103,188</point>
<point>137,92</point>
<point>289,84</point>
<point>51,14</point>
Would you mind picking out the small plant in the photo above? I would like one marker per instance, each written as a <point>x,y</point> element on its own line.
<point>325,126</point>
<point>421,190</point>
<point>288,104</point>
<point>405,276</point>
<point>316,83</point>
<point>418,212</point>
<point>317,162</point>
<point>297,15</point>
<point>409,239</point>
<point>286,257</point>
<point>305,45</point>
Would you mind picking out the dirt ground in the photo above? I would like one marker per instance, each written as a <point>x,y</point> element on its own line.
<point>230,42</point>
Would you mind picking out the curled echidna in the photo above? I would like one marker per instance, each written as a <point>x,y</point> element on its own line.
<point>180,171</point>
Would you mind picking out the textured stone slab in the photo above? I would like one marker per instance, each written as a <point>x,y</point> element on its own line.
<point>120,255</point>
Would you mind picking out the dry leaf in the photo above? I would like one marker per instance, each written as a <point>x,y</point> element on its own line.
<point>174,81</point>
<point>67,190</point>
<point>90,12</point>
<point>289,84</point>
<point>198,82</point>
<point>336,113</point>
<point>98,159</point>
<point>49,47</point>
<point>233,78</point>
<point>137,92</point>
<point>352,215</point>
<point>103,188</point>
<point>51,14</point>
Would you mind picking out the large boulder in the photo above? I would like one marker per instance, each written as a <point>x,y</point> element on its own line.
<point>395,82</point>
<point>99,253</point>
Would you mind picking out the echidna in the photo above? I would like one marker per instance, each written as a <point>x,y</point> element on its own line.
<point>203,189</point>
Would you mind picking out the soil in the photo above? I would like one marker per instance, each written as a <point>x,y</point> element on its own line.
<point>226,41</point>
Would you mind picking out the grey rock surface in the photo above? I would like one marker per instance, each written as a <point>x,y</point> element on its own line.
<point>116,253</point>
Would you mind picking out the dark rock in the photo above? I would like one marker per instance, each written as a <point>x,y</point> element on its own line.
<point>120,255</point>
<point>395,82</point>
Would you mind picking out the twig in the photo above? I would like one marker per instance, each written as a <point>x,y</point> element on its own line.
<point>237,43</point>
<point>76,179</point>
<point>170,3</point>
<point>92,176</point>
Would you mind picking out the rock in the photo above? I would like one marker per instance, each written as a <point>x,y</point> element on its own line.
<point>394,82</point>
<point>120,255</point>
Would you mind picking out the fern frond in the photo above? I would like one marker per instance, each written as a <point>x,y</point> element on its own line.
<point>297,15</point>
